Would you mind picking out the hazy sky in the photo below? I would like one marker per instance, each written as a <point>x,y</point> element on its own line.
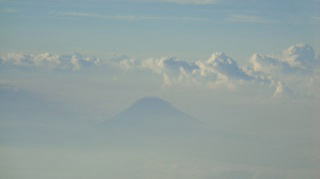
<point>248,67</point>
<point>187,28</point>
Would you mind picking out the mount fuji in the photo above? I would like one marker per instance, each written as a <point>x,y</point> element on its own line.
<point>153,115</point>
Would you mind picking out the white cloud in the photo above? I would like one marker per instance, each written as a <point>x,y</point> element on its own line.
<point>171,69</point>
<point>296,67</point>
<point>283,73</point>
<point>298,58</point>
<point>218,70</point>
<point>268,64</point>
<point>221,64</point>
<point>169,64</point>
<point>46,60</point>
<point>301,56</point>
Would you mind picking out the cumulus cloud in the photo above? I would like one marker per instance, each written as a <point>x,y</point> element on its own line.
<point>301,56</point>
<point>292,71</point>
<point>267,64</point>
<point>50,61</point>
<point>298,58</point>
<point>218,70</point>
<point>221,64</point>
<point>171,69</point>
<point>282,73</point>
<point>169,64</point>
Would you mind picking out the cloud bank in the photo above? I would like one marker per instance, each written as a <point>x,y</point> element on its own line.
<point>296,69</point>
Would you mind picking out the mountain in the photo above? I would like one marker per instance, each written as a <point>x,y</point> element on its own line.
<point>152,118</point>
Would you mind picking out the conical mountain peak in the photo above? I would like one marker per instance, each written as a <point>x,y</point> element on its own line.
<point>151,108</point>
<point>153,116</point>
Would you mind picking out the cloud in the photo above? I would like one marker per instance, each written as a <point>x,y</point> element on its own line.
<point>169,64</point>
<point>72,62</point>
<point>218,67</point>
<point>298,58</point>
<point>295,72</point>
<point>171,69</point>
<point>221,64</point>
<point>282,91</point>
<point>283,73</point>
<point>128,63</point>
<point>268,64</point>
<point>292,73</point>
<point>218,70</point>
<point>240,18</point>
<point>126,17</point>
<point>301,56</point>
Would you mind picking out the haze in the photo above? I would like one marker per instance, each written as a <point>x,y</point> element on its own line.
<point>159,89</point>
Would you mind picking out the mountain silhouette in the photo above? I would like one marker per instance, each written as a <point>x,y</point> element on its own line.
<point>153,117</point>
<point>152,108</point>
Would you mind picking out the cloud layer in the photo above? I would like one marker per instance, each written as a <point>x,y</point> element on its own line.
<point>296,69</point>
<point>286,73</point>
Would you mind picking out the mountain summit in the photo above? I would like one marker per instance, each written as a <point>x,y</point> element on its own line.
<point>151,103</point>
<point>151,108</point>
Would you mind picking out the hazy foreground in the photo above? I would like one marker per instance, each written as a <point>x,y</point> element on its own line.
<point>150,139</point>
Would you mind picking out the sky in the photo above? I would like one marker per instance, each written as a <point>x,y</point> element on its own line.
<point>243,67</point>
<point>189,29</point>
